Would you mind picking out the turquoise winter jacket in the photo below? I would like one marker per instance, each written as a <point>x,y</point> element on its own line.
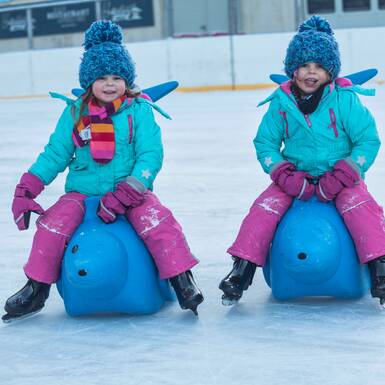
<point>340,128</point>
<point>138,150</point>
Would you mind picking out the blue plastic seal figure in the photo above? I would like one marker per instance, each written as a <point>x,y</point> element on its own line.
<point>312,254</point>
<point>107,268</point>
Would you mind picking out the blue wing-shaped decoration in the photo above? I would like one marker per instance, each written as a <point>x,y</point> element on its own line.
<point>362,76</point>
<point>359,78</point>
<point>155,93</point>
<point>278,78</point>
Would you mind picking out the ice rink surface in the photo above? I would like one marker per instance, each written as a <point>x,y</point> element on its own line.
<point>209,179</point>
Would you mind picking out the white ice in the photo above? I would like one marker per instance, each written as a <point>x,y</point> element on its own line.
<point>209,179</point>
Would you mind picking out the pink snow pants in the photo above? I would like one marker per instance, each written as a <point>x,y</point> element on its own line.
<point>153,222</point>
<point>363,217</point>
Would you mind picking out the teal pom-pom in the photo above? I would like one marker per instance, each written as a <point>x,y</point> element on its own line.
<point>316,23</point>
<point>102,31</point>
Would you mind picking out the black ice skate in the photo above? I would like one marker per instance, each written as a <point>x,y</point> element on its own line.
<point>238,280</point>
<point>377,276</point>
<point>187,292</point>
<point>27,301</point>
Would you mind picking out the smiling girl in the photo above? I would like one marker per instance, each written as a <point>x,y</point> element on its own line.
<point>112,146</point>
<point>315,138</point>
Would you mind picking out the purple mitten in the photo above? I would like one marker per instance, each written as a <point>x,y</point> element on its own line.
<point>114,203</point>
<point>328,187</point>
<point>345,173</point>
<point>128,195</point>
<point>29,187</point>
<point>331,183</point>
<point>292,182</point>
<point>109,207</point>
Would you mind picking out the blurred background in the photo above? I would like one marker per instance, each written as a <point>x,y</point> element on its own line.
<point>205,44</point>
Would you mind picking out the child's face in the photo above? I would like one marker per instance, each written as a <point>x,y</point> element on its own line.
<point>310,76</point>
<point>108,88</point>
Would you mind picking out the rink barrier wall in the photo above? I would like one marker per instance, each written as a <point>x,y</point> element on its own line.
<point>202,64</point>
<point>238,87</point>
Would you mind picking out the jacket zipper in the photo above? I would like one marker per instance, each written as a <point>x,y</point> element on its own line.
<point>283,114</point>
<point>130,128</point>
<point>333,121</point>
<point>307,120</point>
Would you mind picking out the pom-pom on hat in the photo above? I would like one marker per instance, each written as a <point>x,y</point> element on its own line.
<point>314,42</point>
<point>104,54</point>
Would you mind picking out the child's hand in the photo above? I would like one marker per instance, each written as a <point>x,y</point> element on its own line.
<point>23,204</point>
<point>328,187</point>
<point>114,203</point>
<point>292,182</point>
<point>331,183</point>
<point>109,207</point>
<point>22,208</point>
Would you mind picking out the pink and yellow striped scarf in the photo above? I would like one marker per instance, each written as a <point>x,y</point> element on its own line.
<point>101,130</point>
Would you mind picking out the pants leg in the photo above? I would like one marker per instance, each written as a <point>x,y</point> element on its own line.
<point>364,219</point>
<point>162,235</point>
<point>54,229</point>
<point>258,227</point>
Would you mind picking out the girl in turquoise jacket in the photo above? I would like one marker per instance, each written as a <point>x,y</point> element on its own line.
<point>112,146</point>
<point>315,138</point>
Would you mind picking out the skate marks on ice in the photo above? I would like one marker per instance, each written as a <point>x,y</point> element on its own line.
<point>173,347</point>
<point>257,341</point>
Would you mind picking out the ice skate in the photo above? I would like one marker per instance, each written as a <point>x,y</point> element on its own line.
<point>377,276</point>
<point>27,301</point>
<point>238,280</point>
<point>188,294</point>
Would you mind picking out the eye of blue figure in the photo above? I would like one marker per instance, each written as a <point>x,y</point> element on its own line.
<point>302,256</point>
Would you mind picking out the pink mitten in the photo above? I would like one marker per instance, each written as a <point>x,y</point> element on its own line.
<point>29,187</point>
<point>331,183</point>
<point>328,187</point>
<point>117,202</point>
<point>292,182</point>
<point>345,173</point>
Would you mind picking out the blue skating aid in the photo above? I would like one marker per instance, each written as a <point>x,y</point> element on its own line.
<point>107,268</point>
<point>312,254</point>
<point>359,78</point>
<point>155,93</point>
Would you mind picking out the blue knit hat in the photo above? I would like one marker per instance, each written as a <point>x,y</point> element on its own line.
<point>314,42</point>
<point>104,54</point>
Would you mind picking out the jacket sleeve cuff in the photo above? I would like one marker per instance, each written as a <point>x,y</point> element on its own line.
<point>353,165</point>
<point>136,184</point>
<point>282,164</point>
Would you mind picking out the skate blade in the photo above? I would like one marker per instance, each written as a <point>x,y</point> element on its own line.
<point>229,301</point>
<point>382,302</point>
<point>195,311</point>
<point>8,318</point>
<point>193,306</point>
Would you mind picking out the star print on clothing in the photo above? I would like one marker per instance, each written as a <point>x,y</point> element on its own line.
<point>146,173</point>
<point>268,161</point>
<point>361,160</point>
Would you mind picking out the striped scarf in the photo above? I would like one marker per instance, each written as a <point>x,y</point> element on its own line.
<point>97,129</point>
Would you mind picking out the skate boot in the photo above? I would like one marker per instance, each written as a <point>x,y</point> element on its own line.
<point>27,301</point>
<point>187,292</point>
<point>238,280</point>
<point>377,276</point>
